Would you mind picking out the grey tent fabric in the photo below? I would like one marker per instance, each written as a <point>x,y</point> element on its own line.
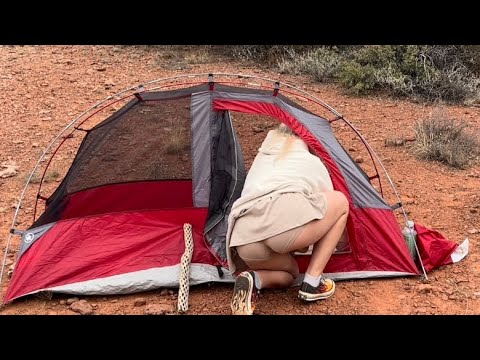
<point>363,193</point>
<point>227,178</point>
<point>32,235</point>
<point>201,110</point>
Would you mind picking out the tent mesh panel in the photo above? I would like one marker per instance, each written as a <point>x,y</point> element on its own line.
<point>122,149</point>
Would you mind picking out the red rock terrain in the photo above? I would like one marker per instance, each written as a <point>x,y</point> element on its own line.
<point>42,88</point>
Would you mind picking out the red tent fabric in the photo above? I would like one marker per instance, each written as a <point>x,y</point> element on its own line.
<point>435,250</point>
<point>114,224</point>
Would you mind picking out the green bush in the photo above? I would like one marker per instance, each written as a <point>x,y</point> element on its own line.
<point>356,78</point>
<point>435,72</point>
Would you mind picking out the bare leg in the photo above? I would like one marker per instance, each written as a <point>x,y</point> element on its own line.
<point>324,233</point>
<point>279,271</point>
<point>273,270</point>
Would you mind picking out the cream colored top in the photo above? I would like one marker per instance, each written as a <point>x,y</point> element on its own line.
<point>281,166</point>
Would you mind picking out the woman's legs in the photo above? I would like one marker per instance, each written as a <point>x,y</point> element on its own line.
<point>281,269</point>
<point>324,233</point>
<point>271,270</point>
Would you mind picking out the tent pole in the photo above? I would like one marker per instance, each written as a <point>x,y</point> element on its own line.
<point>142,88</point>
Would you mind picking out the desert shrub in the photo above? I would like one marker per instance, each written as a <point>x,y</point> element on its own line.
<point>268,54</point>
<point>199,55</point>
<point>321,63</point>
<point>422,72</point>
<point>449,73</point>
<point>442,138</point>
<point>356,78</point>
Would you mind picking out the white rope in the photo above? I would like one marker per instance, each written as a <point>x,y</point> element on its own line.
<point>184,283</point>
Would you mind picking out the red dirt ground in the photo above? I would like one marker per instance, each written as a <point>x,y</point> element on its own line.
<point>44,87</point>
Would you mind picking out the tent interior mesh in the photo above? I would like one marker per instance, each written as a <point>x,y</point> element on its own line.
<point>121,149</point>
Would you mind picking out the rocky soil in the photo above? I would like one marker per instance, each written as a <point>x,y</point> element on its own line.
<point>43,87</point>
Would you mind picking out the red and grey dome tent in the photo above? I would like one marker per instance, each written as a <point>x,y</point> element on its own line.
<point>171,156</point>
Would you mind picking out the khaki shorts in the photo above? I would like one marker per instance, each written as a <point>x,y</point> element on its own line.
<point>262,250</point>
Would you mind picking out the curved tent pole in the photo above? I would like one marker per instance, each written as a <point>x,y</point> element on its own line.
<point>63,141</point>
<point>76,128</point>
<point>142,88</point>
<point>338,117</point>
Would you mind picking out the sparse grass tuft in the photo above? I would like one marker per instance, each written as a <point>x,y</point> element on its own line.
<point>200,55</point>
<point>176,143</point>
<point>49,177</point>
<point>444,139</point>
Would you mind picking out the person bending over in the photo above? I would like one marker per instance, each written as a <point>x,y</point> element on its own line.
<point>287,204</point>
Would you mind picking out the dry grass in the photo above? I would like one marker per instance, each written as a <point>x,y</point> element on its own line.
<point>199,55</point>
<point>444,139</point>
<point>176,143</point>
<point>321,63</point>
<point>49,177</point>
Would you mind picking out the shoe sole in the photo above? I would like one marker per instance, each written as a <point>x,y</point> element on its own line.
<point>312,297</point>
<point>241,303</point>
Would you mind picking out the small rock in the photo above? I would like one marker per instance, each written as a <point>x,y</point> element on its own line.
<point>449,291</point>
<point>164,292</point>
<point>101,69</point>
<point>171,292</point>
<point>114,301</point>
<point>9,170</point>
<point>452,297</point>
<point>158,309</point>
<point>72,300</point>
<point>257,130</point>
<point>82,307</point>
<point>359,160</point>
<point>425,288</point>
<point>46,118</point>
<point>473,231</point>
<point>477,294</point>
<point>62,302</point>
<point>35,145</point>
<point>139,302</point>
<point>352,149</point>
<point>473,211</point>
